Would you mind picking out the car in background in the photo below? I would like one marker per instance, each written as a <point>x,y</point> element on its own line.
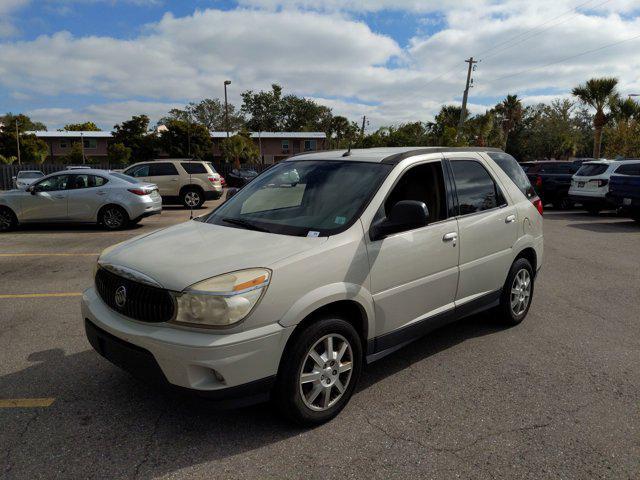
<point>78,167</point>
<point>239,177</point>
<point>184,181</point>
<point>590,185</point>
<point>551,180</point>
<point>624,189</point>
<point>24,178</point>
<point>223,182</point>
<point>110,199</point>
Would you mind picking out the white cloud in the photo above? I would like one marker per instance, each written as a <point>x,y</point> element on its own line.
<point>330,54</point>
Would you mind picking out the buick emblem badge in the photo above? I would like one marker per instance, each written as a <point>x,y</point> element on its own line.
<point>121,296</point>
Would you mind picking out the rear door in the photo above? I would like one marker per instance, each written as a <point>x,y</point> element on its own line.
<point>48,202</point>
<point>488,228</point>
<point>165,175</point>
<point>87,193</point>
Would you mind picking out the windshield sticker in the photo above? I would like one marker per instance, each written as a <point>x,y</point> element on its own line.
<point>313,234</point>
<point>340,220</point>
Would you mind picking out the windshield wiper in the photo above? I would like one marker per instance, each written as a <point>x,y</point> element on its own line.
<point>244,223</point>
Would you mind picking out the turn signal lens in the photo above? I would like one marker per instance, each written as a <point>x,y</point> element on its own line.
<point>538,204</point>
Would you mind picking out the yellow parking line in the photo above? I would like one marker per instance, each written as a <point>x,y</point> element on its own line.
<point>26,402</point>
<point>49,254</point>
<point>40,295</point>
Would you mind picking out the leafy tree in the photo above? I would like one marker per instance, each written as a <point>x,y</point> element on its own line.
<point>8,160</point>
<point>509,113</point>
<point>135,135</point>
<point>185,139</point>
<point>598,93</point>
<point>208,112</point>
<point>445,125</point>
<point>239,149</point>
<point>75,155</point>
<point>264,109</point>
<point>32,149</point>
<point>25,124</point>
<point>118,154</point>
<point>80,127</point>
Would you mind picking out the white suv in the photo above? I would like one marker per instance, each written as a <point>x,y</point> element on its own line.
<point>180,180</point>
<point>590,185</point>
<point>323,263</point>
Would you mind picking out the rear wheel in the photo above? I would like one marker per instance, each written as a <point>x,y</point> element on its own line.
<point>517,292</point>
<point>113,217</point>
<point>192,198</point>
<point>563,204</point>
<point>8,220</point>
<point>319,372</point>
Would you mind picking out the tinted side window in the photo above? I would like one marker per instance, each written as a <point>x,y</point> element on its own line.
<point>475,188</point>
<point>159,169</point>
<point>424,183</point>
<point>193,168</point>
<point>510,166</point>
<point>52,184</point>
<point>631,169</point>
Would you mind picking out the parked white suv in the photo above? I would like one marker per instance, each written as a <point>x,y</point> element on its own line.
<point>183,181</point>
<point>590,185</point>
<point>321,264</point>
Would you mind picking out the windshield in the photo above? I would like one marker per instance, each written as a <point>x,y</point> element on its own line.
<point>30,174</point>
<point>304,198</point>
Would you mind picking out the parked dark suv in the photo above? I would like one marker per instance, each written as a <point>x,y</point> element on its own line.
<point>551,180</point>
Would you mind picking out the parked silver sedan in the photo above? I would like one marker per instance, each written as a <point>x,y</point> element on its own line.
<point>110,199</point>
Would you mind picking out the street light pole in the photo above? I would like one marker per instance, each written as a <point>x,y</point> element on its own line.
<point>82,143</point>
<point>18,142</point>
<point>226,107</point>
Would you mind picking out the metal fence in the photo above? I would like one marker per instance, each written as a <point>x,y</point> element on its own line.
<point>7,172</point>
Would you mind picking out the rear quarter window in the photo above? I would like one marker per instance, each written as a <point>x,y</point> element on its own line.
<point>194,168</point>
<point>630,169</point>
<point>514,171</point>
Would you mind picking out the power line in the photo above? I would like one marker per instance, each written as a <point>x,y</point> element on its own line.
<point>586,52</point>
<point>507,47</point>
<point>574,9</point>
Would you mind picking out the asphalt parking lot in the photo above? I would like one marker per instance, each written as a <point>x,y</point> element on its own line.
<point>555,397</point>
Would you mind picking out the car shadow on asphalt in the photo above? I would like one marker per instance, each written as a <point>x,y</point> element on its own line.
<point>609,227</point>
<point>113,420</point>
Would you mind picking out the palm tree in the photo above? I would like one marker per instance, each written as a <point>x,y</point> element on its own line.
<point>510,112</point>
<point>597,93</point>
<point>624,110</point>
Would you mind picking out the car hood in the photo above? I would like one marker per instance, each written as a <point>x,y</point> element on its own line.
<point>184,254</point>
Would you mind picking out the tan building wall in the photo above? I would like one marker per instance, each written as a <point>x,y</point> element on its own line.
<point>277,149</point>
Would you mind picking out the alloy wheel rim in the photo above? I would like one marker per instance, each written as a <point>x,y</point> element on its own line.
<point>192,199</point>
<point>5,220</point>
<point>520,292</point>
<point>113,218</point>
<point>326,371</point>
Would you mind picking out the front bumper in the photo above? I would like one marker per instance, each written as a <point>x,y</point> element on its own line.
<point>239,367</point>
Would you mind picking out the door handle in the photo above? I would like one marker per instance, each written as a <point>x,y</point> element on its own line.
<point>451,236</point>
<point>59,197</point>
<point>174,179</point>
<point>101,193</point>
<point>510,219</point>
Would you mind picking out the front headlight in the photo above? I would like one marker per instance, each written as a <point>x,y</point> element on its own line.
<point>222,301</point>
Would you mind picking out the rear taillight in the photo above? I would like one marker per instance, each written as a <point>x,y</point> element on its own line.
<point>538,181</point>
<point>600,183</point>
<point>139,191</point>
<point>538,204</point>
<point>213,178</point>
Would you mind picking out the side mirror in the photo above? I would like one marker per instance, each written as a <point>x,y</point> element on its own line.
<point>230,193</point>
<point>31,189</point>
<point>405,215</point>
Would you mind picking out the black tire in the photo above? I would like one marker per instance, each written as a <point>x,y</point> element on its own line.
<point>113,217</point>
<point>8,220</point>
<point>288,390</point>
<point>192,198</point>
<point>507,313</point>
<point>593,210</point>
<point>563,204</point>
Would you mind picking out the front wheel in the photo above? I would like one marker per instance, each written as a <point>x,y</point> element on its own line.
<point>8,220</point>
<point>319,372</point>
<point>517,292</point>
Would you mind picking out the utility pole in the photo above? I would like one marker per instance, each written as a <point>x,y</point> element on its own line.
<point>226,107</point>
<point>471,63</point>
<point>18,142</point>
<point>82,143</point>
<point>364,119</point>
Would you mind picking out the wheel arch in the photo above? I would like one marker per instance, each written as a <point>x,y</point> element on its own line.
<point>529,254</point>
<point>112,204</point>
<point>191,186</point>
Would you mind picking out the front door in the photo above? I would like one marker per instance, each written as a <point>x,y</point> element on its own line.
<point>47,202</point>
<point>414,274</point>
<point>488,227</point>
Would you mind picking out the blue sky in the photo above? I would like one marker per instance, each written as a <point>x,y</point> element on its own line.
<point>395,61</point>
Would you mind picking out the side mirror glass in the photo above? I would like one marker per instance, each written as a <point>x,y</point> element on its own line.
<point>32,189</point>
<point>405,215</point>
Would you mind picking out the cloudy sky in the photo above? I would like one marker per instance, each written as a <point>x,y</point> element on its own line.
<point>394,60</point>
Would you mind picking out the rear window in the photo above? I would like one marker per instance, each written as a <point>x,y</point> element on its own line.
<point>193,168</point>
<point>514,171</point>
<point>631,169</point>
<point>30,174</point>
<point>592,169</point>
